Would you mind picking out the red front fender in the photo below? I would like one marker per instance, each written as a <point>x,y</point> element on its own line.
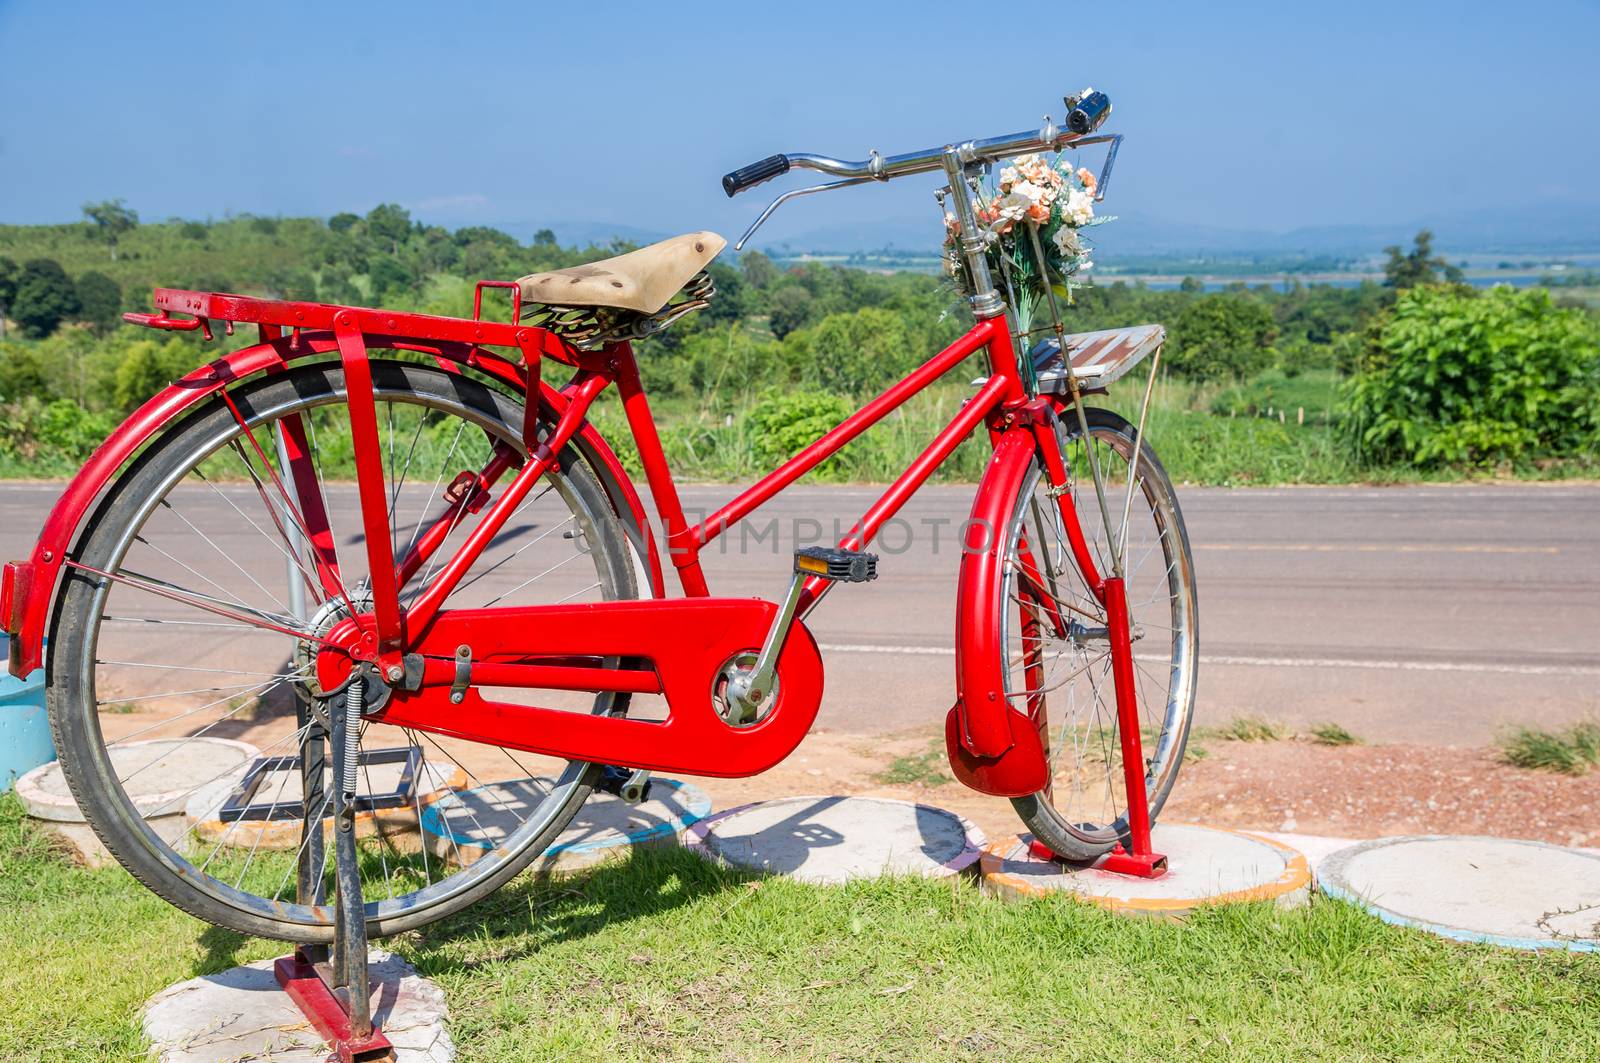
<point>994,748</point>
<point>28,587</point>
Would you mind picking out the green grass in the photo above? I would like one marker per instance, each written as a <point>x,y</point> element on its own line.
<point>1332,734</point>
<point>1311,396</point>
<point>1573,751</point>
<point>665,957</point>
<point>928,768</point>
<point>1248,729</point>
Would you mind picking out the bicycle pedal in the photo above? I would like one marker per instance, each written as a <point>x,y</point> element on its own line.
<point>633,787</point>
<point>837,564</point>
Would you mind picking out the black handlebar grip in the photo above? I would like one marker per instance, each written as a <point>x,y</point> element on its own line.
<point>1090,112</point>
<point>750,176</point>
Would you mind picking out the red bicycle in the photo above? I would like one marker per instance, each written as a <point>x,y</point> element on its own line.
<point>390,553</point>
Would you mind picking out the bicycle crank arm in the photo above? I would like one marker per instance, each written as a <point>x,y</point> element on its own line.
<point>747,690</point>
<point>681,647</point>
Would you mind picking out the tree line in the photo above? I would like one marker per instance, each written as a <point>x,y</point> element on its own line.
<point>820,337</point>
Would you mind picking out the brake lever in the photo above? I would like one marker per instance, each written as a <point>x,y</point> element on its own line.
<point>1105,167</point>
<point>791,194</point>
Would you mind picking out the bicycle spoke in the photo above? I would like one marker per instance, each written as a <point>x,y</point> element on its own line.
<point>312,583</point>
<point>202,657</point>
<point>531,580</point>
<point>226,556</point>
<point>198,602</point>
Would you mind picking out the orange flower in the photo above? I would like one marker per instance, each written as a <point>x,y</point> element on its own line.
<point>1086,178</point>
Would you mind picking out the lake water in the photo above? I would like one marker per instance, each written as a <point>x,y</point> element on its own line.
<point>1514,278</point>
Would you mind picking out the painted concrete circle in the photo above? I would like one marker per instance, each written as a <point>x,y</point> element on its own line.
<point>241,1013</point>
<point>158,776</point>
<point>1204,866</point>
<point>465,826</point>
<point>836,839</point>
<point>436,779</point>
<point>1522,894</point>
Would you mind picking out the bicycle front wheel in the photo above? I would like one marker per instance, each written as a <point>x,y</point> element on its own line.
<point>1065,676</point>
<point>189,613</point>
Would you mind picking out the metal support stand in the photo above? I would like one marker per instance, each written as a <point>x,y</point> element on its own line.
<point>331,985</point>
<point>1141,860</point>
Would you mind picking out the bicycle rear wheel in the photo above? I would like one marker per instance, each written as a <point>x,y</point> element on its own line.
<point>174,622</point>
<point>1067,678</point>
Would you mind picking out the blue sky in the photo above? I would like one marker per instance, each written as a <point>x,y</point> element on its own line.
<point>1267,116</point>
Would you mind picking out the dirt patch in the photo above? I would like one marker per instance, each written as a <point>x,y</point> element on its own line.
<point>1289,785</point>
<point>1351,791</point>
<point>1373,791</point>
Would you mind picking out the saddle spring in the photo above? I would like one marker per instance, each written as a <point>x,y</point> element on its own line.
<point>590,328</point>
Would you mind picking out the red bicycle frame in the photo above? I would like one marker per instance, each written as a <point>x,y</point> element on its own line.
<point>995,747</point>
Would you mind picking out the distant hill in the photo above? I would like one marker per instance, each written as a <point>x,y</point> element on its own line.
<point>1550,228</point>
<point>584,233</point>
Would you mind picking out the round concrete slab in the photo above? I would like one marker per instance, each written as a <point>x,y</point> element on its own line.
<point>1521,894</point>
<point>462,827</point>
<point>1204,866</point>
<point>436,779</point>
<point>243,1014</point>
<point>159,775</point>
<point>836,839</point>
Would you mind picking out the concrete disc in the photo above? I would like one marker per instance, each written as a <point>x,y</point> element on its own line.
<point>835,839</point>
<point>436,778</point>
<point>159,775</point>
<point>466,826</point>
<point>1521,894</point>
<point>242,1013</point>
<point>1204,866</point>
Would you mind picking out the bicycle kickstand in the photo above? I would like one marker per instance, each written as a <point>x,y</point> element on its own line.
<point>334,992</point>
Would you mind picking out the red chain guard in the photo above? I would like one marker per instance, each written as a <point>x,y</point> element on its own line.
<point>685,641</point>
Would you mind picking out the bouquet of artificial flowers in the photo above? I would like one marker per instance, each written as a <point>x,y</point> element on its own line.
<point>1032,215</point>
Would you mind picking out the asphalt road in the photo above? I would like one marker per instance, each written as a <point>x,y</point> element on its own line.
<point>1423,614</point>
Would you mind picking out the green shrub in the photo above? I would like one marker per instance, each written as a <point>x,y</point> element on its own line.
<point>147,366</point>
<point>55,435</point>
<point>1227,336</point>
<point>780,425</point>
<point>723,362</point>
<point>1449,376</point>
<point>855,353</point>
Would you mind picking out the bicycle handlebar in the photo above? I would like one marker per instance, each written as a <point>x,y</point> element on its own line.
<point>1084,116</point>
<point>754,174</point>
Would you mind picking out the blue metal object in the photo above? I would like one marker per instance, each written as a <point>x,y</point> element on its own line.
<point>24,727</point>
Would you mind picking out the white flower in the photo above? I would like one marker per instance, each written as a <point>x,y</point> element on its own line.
<point>1010,209</point>
<point>1009,177</point>
<point>1079,209</point>
<point>1066,241</point>
<point>1035,193</point>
